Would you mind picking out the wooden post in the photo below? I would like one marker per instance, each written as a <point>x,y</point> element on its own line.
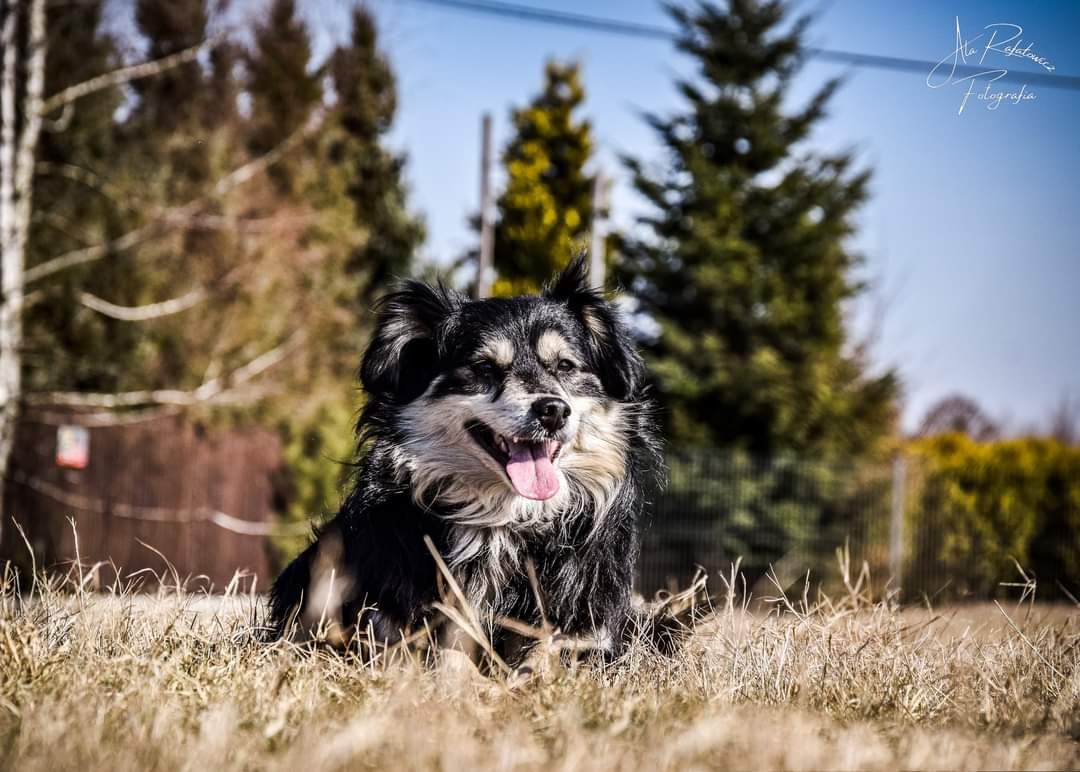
<point>598,231</point>
<point>896,526</point>
<point>487,229</point>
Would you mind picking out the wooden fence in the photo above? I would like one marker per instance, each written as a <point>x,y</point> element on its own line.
<point>203,498</point>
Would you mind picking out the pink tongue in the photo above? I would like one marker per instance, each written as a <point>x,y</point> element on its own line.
<point>531,470</point>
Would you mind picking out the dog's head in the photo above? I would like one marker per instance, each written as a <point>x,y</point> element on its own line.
<point>512,409</point>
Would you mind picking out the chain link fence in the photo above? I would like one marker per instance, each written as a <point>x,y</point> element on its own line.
<point>922,531</point>
<point>948,519</point>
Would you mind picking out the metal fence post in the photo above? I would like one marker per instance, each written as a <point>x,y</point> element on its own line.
<point>598,231</point>
<point>486,257</point>
<point>896,528</point>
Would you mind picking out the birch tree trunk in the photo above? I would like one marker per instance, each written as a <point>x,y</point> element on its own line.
<point>18,146</point>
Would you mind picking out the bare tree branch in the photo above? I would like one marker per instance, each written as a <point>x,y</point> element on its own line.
<point>60,123</point>
<point>88,254</point>
<point>214,390</point>
<point>101,418</point>
<point>60,224</point>
<point>244,173</point>
<point>114,401</point>
<point>126,75</point>
<point>260,363</point>
<point>173,215</point>
<point>145,312</point>
<point>81,175</point>
<point>243,225</point>
<point>165,307</point>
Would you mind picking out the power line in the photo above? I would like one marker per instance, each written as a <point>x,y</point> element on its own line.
<point>1067,82</point>
<point>655,32</point>
<point>561,18</point>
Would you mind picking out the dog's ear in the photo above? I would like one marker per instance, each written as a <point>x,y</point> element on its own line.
<point>403,355</point>
<point>610,345</point>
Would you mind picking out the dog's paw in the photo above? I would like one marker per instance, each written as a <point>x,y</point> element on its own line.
<point>457,667</point>
<point>520,676</point>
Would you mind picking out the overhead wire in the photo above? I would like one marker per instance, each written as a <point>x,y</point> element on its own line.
<point>641,30</point>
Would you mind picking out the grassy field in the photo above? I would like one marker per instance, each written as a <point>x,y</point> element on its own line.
<point>175,680</point>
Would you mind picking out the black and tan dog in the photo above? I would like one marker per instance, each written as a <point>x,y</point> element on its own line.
<point>510,431</point>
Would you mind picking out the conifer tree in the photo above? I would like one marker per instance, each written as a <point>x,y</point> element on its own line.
<point>78,202</point>
<point>366,236</point>
<point>366,104</point>
<point>173,98</point>
<point>546,209</point>
<point>172,147</point>
<point>283,90</point>
<point>223,89</point>
<point>745,267</point>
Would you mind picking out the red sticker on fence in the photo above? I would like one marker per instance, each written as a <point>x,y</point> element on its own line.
<point>72,447</point>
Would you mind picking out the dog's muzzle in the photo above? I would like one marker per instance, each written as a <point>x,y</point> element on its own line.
<point>529,462</point>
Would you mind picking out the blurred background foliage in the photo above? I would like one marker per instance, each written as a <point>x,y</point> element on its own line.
<point>257,186</point>
<point>980,506</point>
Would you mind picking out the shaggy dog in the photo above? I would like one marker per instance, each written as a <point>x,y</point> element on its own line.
<point>512,432</point>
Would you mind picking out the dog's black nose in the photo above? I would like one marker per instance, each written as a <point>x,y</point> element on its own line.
<point>552,413</point>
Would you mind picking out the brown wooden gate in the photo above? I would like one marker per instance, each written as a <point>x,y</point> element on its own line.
<point>202,497</point>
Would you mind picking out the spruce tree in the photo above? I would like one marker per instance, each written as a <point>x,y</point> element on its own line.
<point>745,266</point>
<point>364,236</point>
<point>366,102</point>
<point>545,212</point>
<point>68,348</point>
<point>172,147</point>
<point>223,89</point>
<point>283,90</point>
<point>173,98</point>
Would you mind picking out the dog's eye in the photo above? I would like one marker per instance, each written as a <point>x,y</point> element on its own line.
<point>484,369</point>
<point>566,366</point>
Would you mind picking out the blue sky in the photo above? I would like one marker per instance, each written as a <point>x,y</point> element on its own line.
<point>972,237</point>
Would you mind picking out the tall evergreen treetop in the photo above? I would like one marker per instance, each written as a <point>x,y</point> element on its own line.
<point>545,211</point>
<point>283,91</point>
<point>746,268</point>
<point>366,103</point>
<point>172,98</point>
<point>223,88</point>
<point>364,82</point>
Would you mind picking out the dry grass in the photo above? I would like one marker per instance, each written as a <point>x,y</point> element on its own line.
<point>175,680</point>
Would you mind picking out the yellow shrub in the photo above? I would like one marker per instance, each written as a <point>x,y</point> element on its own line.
<point>978,506</point>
